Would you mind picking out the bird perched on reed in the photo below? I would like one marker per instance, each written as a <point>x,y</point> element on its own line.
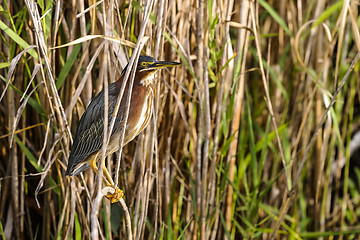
<point>88,139</point>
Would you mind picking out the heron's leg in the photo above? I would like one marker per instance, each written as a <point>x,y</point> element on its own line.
<point>95,168</point>
<point>107,175</point>
<point>118,194</point>
<point>93,164</point>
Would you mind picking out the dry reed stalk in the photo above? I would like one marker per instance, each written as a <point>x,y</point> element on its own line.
<point>22,185</point>
<point>206,126</point>
<point>161,19</point>
<point>14,167</point>
<point>200,117</point>
<point>242,48</point>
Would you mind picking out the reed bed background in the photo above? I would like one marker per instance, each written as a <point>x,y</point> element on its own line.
<point>255,136</point>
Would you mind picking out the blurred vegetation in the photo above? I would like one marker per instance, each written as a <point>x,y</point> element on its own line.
<point>255,136</point>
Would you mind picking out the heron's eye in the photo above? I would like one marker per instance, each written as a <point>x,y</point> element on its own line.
<point>144,64</point>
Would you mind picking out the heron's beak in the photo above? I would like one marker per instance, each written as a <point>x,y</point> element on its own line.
<point>162,64</point>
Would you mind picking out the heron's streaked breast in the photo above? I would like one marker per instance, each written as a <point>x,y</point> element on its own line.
<point>146,112</point>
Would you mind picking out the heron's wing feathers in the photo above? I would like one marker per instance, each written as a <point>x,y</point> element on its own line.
<point>90,132</point>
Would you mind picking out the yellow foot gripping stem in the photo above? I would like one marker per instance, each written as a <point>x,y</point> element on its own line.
<point>116,196</point>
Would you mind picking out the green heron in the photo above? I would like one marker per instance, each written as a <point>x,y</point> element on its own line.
<point>88,139</point>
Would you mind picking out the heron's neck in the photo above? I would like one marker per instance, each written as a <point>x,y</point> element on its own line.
<point>149,80</point>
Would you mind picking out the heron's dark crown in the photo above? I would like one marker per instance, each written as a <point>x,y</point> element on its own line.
<point>144,63</point>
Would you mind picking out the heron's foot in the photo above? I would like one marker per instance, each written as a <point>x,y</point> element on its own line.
<point>116,196</point>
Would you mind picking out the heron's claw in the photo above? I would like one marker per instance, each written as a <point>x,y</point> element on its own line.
<point>116,196</point>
